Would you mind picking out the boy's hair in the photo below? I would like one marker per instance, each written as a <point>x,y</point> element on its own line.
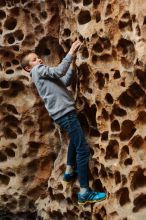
<point>23,61</point>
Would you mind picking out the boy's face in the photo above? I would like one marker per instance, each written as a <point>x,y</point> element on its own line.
<point>33,60</point>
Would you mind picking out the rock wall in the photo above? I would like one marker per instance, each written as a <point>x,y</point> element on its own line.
<point>109,89</point>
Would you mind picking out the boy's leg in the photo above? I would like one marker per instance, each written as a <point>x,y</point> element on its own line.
<point>72,125</point>
<point>73,128</point>
<point>71,152</point>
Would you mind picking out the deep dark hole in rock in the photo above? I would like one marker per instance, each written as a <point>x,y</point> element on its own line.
<point>141,75</point>
<point>9,133</point>
<point>8,64</point>
<point>10,152</point>
<point>124,24</point>
<point>105,114</point>
<point>118,111</point>
<point>11,173</point>
<point>85,53</point>
<point>109,98</point>
<point>10,23</point>
<point>137,141</point>
<point>16,87</point>
<point>15,10</point>
<point>108,10</point>
<point>112,150</point>
<point>127,130</point>
<point>33,165</point>
<point>56,215</point>
<point>106,57</point>
<point>102,172</point>
<point>98,16</point>
<point>3,157</point>
<point>124,150</point>
<point>100,80</point>
<point>139,202</point>
<point>115,126</point>
<point>97,47</point>
<point>97,185</point>
<point>43,14</point>
<point>128,161</point>
<point>123,196</point>
<point>69,214</point>
<point>117,74</point>
<point>104,136</point>
<point>135,91</point>
<point>16,48</point>
<point>141,117</point>
<point>48,45</point>
<point>126,100</point>
<point>87,2</point>
<point>96,2</point>
<point>98,216</point>
<point>4,84</point>
<point>85,215</point>
<point>2,3</point>
<point>84,73</point>
<point>117,177</point>
<point>126,45</point>
<point>2,14</point>
<point>144,21</point>
<point>67,43</point>
<point>9,71</point>
<point>15,62</point>
<point>92,116</point>
<point>94,59</point>
<point>19,35</point>
<point>106,42</point>
<point>4,179</point>
<point>11,120</point>
<point>94,132</point>
<point>84,17</point>
<point>138,179</point>
<point>67,32</point>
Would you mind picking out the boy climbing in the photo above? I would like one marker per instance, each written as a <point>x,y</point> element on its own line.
<point>51,83</point>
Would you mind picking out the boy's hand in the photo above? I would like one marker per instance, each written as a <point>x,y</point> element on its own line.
<point>75,47</point>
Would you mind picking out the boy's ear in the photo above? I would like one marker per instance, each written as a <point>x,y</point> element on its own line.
<point>27,69</point>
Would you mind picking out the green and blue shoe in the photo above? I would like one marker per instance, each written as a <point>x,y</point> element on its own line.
<point>91,197</point>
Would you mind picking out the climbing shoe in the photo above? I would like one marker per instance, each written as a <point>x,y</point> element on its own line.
<point>90,197</point>
<point>70,177</point>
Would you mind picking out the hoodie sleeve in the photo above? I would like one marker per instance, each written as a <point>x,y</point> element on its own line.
<point>67,79</point>
<point>55,72</point>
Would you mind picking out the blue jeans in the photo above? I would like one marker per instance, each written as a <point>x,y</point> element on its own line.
<point>78,149</point>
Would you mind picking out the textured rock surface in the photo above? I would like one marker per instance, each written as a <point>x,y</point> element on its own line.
<point>110,97</point>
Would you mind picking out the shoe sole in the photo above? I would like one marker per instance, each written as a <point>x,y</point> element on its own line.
<point>83,203</point>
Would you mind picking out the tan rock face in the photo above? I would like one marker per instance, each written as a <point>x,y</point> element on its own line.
<point>109,89</point>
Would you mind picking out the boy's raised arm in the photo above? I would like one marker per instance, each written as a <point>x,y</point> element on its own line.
<point>61,69</point>
<point>67,79</point>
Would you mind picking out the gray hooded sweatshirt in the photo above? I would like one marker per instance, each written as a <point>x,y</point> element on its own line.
<point>51,83</point>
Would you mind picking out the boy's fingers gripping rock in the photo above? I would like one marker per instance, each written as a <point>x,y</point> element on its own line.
<point>75,46</point>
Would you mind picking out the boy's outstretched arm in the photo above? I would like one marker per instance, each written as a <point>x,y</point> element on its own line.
<point>61,69</point>
<point>67,79</point>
